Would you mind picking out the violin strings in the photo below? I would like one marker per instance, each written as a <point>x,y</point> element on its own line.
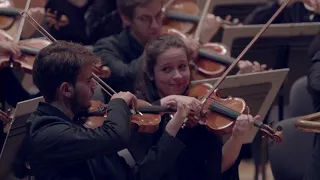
<point>103,88</point>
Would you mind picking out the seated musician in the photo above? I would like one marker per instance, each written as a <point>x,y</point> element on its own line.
<point>121,53</point>
<point>81,21</point>
<point>165,77</point>
<point>61,148</point>
<point>63,18</point>
<point>11,90</point>
<point>313,87</point>
<point>295,12</point>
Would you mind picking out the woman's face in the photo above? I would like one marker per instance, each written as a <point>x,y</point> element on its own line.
<point>171,72</point>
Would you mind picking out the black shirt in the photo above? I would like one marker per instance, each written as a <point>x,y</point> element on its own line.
<point>121,54</point>
<point>297,13</point>
<point>66,21</point>
<point>61,149</point>
<point>102,20</point>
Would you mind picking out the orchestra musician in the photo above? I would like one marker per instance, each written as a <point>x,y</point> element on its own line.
<point>11,90</point>
<point>121,53</point>
<point>63,18</point>
<point>171,153</point>
<point>81,21</point>
<point>61,148</point>
<point>164,77</point>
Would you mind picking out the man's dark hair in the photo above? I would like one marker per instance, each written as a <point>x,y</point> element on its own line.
<point>60,62</point>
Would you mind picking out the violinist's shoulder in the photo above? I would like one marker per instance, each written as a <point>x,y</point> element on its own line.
<point>108,42</point>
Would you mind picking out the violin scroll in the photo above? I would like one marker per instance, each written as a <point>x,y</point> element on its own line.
<point>275,135</point>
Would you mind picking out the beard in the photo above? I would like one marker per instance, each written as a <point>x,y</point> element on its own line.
<point>77,103</point>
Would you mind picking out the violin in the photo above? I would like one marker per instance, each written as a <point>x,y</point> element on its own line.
<point>29,48</point>
<point>184,17</point>
<point>146,121</point>
<point>10,11</point>
<point>219,114</point>
<point>8,14</point>
<point>212,59</point>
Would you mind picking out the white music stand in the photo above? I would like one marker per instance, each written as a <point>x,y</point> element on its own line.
<point>15,137</point>
<point>259,90</point>
<point>231,33</point>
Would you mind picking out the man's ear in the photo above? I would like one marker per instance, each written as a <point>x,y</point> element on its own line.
<point>66,89</point>
<point>126,21</point>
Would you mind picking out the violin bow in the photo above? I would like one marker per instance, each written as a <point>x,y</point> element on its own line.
<point>18,36</point>
<point>105,87</point>
<point>202,19</point>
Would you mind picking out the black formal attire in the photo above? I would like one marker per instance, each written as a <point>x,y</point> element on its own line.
<point>60,148</point>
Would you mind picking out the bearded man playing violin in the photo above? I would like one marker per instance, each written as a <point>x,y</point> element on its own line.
<point>121,53</point>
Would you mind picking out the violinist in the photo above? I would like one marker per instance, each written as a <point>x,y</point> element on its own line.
<point>296,12</point>
<point>11,90</point>
<point>63,18</point>
<point>121,53</point>
<point>62,148</point>
<point>165,76</point>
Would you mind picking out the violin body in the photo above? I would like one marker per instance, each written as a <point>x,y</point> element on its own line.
<point>184,27</point>
<point>97,114</point>
<point>206,68</point>
<point>26,59</point>
<point>6,21</point>
<point>221,120</point>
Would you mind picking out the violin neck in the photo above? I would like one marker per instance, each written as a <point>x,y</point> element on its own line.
<point>223,110</point>
<point>29,50</point>
<point>230,113</point>
<point>226,60</point>
<point>181,16</point>
<point>10,12</point>
<point>155,109</point>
